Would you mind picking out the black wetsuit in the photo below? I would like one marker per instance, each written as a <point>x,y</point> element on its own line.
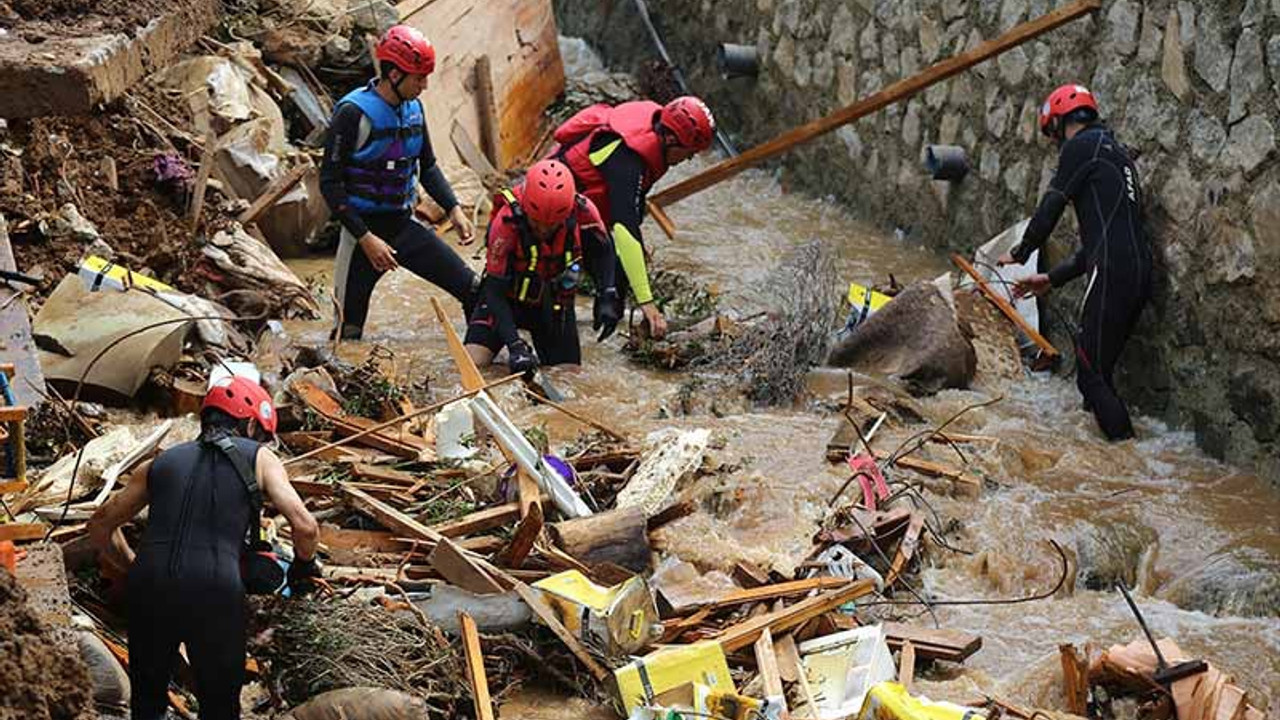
<point>185,585</point>
<point>623,173</point>
<point>418,249</point>
<point>1097,176</point>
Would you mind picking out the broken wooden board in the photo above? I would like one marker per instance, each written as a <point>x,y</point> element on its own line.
<point>618,536</point>
<point>907,666</point>
<point>534,600</point>
<point>391,518</point>
<point>1075,680</point>
<point>948,645</point>
<point>776,590</point>
<point>454,566</point>
<point>487,519</point>
<point>400,444</point>
<point>526,534</point>
<point>520,38</point>
<point>770,676</point>
<point>746,633</point>
<point>906,549</point>
<point>962,482</point>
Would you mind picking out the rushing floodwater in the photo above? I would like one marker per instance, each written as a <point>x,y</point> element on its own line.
<point>1053,475</point>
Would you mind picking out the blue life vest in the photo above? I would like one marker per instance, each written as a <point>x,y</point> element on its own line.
<point>382,175</point>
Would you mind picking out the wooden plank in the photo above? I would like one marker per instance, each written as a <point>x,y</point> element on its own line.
<point>471,155</point>
<point>12,487</point>
<point>907,665</point>
<point>402,444</point>
<point>741,635</point>
<point>382,474</point>
<point>770,677</point>
<point>487,519</point>
<point>1004,307</point>
<point>476,677</point>
<point>22,531</point>
<point>788,658</point>
<point>933,644</point>
<point>487,108</point>
<point>671,514</point>
<point>530,493</point>
<point>374,540</point>
<point>548,617</point>
<point>673,629</point>
<point>200,110</point>
<point>615,434</point>
<point>660,216</point>
<point>13,413</point>
<point>896,92</point>
<point>471,377</point>
<point>275,190</point>
<point>1075,685</point>
<point>963,482</point>
<point>906,548</point>
<point>776,590</point>
<point>391,518</point>
<point>453,565</point>
<point>527,532</point>
<point>750,576</point>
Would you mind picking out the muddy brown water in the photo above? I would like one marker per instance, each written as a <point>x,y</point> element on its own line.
<point>1050,475</point>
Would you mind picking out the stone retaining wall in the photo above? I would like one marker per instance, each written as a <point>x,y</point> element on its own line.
<point>1192,86</point>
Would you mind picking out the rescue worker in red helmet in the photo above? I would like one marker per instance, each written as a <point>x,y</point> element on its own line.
<point>616,155</point>
<point>185,582</point>
<point>377,150</point>
<point>1095,174</point>
<point>541,235</point>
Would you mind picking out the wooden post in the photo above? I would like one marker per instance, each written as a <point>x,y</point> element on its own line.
<point>1003,306</point>
<point>1075,683</point>
<point>488,109</point>
<point>619,536</point>
<point>741,635</point>
<point>660,216</point>
<point>771,678</point>
<point>200,106</point>
<point>548,617</point>
<point>275,190</point>
<point>526,534</point>
<point>471,377</point>
<point>475,667</point>
<point>894,93</point>
<point>907,665</point>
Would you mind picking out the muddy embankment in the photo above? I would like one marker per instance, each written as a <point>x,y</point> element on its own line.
<point>1191,86</point>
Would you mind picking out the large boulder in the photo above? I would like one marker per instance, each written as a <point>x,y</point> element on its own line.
<point>914,339</point>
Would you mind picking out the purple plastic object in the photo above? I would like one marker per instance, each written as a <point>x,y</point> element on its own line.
<point>562,468</point>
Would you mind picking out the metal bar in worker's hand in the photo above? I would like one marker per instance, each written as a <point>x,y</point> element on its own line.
<point>896,92</point>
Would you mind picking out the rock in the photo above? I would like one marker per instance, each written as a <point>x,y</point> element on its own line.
<point>784,56</point>
<point>1181,193</point>
<point>914,339</point>
<point>786,19</point>
<point>936,96</point>
<point>1112,551</point>
<point>954,9</point>
<point>846,82</point>
<point>100,248</point>
<point>1151,117</point>
<point>373,17</point>
<point>910,62</point>
<point>962,92</point>
<point>973,41</point>
<point>1247,74</point>
<point>1207,135</point>
<point>1111,85</point>
<point>843,38</point>
<point>911,125</point>
<point>1011,13</point>
<point>1254,394</point>
<point>949,129</point>
<point>68,223</point>
<point>336,49</point>
<point>1250,143</point>
<point>1040,64</point>
<point>803,70</point>
<point>1254,12</point>
<point>1231,254</point>
<point>890,58</point>
<point>1273,62</point>
<point>1028,120</point>
<point>1122,27</point>
<point>1187,28</point>
<point>1265,215</point>
<point>930,38</point>
<point>869,42</point>
<point>1232,582</point>
<point>1213,54</point>
<point>1047,171</point>
<point>1149,42</point>
<point>1013,65</point>
<point>999,110</point>
<point>989,166</point>
<point>1015,178</point>
<point>852,142</point>
<point>823,70</point>
<point>1173,66</point>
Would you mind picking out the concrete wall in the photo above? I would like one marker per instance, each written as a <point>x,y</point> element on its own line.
<point>1191,85</point>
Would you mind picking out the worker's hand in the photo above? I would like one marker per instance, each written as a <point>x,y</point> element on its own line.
<point>657,323</point>
<point>462,224</point>
<point>521,358</point>
<point>606,313</point>
<point>1037,285</point>
<point>1006,259</point>
<point>303,575</point>
<point>381,255</point>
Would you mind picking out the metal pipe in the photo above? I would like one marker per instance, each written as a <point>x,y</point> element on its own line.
<point>737,60</point>
<point>946,162</point>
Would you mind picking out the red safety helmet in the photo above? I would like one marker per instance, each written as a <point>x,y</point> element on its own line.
<point>408,49</point>
<point>691,121</point>
<point>549,193</point>
<point>242,399</point>
<point>1061,103</point>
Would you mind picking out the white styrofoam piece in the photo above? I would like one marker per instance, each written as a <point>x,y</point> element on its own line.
<point>847,664</point>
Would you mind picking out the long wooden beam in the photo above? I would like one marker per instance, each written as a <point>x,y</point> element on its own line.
<point>896,92</point>
<point>739,636</point>
<point>1004,307</point>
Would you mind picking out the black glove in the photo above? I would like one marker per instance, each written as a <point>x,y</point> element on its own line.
<point>606,313</point>
<point>302,576</point>
<point>520,358</point>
